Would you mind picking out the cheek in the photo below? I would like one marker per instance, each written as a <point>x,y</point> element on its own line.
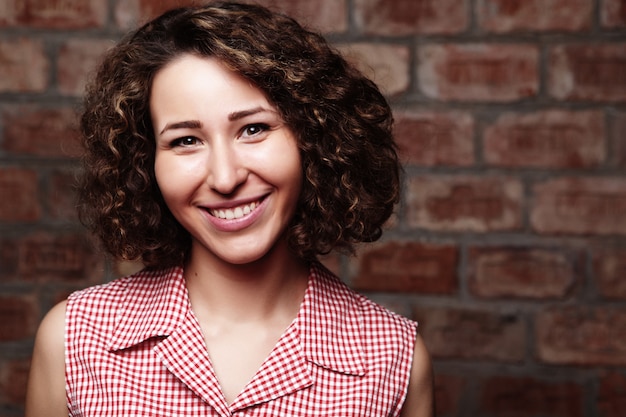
<point>176,176</point>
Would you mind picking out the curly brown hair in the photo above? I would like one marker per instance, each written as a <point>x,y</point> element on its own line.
<point>342,122</point>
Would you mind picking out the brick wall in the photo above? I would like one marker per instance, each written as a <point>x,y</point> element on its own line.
<point>509,246</point>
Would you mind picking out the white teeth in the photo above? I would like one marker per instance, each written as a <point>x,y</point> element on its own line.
<point>235,213</point>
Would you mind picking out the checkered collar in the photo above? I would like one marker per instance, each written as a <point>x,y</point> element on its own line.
<point>328,325</point>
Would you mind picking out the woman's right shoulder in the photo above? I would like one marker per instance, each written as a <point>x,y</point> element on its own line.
<point>46,385</point>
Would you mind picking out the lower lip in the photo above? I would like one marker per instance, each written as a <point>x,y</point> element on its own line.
<point>233,225</point>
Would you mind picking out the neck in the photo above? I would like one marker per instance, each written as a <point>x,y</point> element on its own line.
<point>272,286</point>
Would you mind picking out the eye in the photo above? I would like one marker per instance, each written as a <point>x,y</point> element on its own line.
<point>184,142</point>
<point>253,130</point>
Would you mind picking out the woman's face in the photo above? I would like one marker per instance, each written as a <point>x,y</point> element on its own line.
<point>227,166</point>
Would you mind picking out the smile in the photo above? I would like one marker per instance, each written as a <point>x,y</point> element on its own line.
<point>236,212</point>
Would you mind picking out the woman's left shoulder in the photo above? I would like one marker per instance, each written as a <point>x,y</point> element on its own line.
<point>376,317</point>
<point>420,400</point>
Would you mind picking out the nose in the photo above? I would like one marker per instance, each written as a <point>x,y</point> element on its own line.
<point>225,170</point>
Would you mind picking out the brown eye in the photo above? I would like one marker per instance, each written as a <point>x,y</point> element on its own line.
<point>254,129</point>
<point>184,141</point>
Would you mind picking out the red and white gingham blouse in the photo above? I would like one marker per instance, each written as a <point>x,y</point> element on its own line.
<point>134,348</point>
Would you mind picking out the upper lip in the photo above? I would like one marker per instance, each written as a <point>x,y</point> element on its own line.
<point>231,204</point>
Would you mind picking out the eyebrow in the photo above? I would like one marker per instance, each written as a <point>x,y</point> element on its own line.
<point>245,113</point>
<point>187,124</point>
<point>196,124</point>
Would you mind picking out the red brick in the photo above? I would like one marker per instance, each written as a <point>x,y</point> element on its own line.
<point>18,317</point>
<point>23,65</point>
<point>548,139</point>
<point>407,267</point>
<point>581,336</point>
<point>22,185</point>
<point>478,72</point>
<point>328,16</point>
<point>448,392</point>
<point>472,334</point>
<point>588,72</point>
<point>131,13</point>
<point>45,257</point>
<point>409,17</point>
<point>580,206</point>
<point>62,196</point>
<point>435,138</point>
<point>47,132</point>
<point>609,270</point>
<point>13,380</point>
<point>464,203</point>
<point>522,272</point>
<point>613,14</point>
<point>611,400</point>
<point>324,15</point>
<point>77,61</point>
<point>54,14</point>
<point>387,65</point>
<point>526,396</point>
<point>618,138</point>
<point>503,16</point>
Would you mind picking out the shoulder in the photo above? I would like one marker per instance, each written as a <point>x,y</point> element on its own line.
<point>391,338</point>
<point>394,334</point>
<point>420,400</point>
<point>114,293</point>
<point>46,392</point>
<point>51,330</point>
<point>373,316</point>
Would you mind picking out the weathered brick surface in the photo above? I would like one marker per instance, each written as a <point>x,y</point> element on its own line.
<point>328,16</point>
<point>580,206</point>
<point>613,14</point>
<point>20,190</point>
<point>13,380</point>
<point>61,196</point>
<point>129,14</point>
<point>522,272</point>
<point>407,17</point>
<point>53,14</point>
<point>49,132</point>
<point>408,267</point>
<point>77,61</point>
<point>435,138</point>
<point>387,65</point>
<point>549,139</point>
<point>464,203</point>
<point>45,258</point>
<point>448,392</point>
<point>609,270</point>
<point>527,396</point>
<point>588,72</point>
<point>23,65</point>
<point>611,400</point>
<point>472,334</point>
<point>581,336</point>
<point>20,315</point>
<point>535,15</point>
<point>618,138</point>
<point>478,72</point>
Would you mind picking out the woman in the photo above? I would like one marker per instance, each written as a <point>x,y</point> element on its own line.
<point>226,148</point>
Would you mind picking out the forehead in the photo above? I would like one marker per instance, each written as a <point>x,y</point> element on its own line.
<point>193,86</point>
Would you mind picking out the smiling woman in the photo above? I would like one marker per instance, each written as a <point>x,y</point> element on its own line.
<point>226,148</point>
<point>216,160</point>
